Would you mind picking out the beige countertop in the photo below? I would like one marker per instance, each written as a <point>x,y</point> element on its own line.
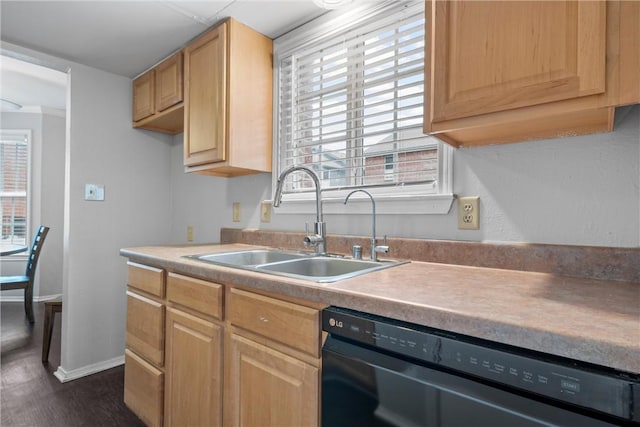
<point>595,321</point>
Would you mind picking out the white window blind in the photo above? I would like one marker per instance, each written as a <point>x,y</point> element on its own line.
<point>14,168</point>
<point>351,105</point>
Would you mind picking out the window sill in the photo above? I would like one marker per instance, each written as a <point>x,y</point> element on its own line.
<point>433,204</point>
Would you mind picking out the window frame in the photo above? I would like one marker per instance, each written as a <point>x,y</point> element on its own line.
<point>428,198</point>
<point>27,133</point>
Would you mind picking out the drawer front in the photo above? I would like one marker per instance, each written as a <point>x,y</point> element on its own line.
<point>145,278</point>
<point>145,327</point>
<point>200,295</point>
<point>143,389</point>
<point>291,324</point>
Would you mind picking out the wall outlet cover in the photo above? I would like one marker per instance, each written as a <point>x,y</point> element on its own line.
<point>469,213</point>
<point>265,212</point>
<point>235,216</point>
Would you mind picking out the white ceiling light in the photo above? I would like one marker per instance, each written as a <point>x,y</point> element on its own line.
<point>6,105</point>
<point>331,4</point>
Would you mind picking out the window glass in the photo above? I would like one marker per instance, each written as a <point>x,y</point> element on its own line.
<point>350,103</point>
<point>14,165</point>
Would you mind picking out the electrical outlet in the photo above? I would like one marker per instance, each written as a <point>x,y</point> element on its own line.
<point>265,212</point>
<point>236,212</point>
<point>189,233</point>
<point>469,213</point>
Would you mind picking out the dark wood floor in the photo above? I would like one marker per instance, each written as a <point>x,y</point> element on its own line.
<point>31,396</point>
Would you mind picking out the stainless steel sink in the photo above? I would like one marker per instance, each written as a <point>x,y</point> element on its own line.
<point>323,269</point>
<point>248,258</point>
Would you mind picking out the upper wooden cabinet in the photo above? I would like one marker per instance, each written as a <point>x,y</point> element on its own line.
<point>506,71</point>
<point>158,96</point>
<point>169,82</point>
<point>144,99</point>
<point>228,101</point>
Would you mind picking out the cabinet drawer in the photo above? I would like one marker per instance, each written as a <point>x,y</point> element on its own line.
<point>145,278</point>
<point>145,327</point>
<point>291,324</point>
<point>143,389</point>
<point>205,297</point>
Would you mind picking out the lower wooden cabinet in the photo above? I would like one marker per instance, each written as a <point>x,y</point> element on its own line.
<point>266,387</point>
<point>203,354</point>
<point>193,367</point>
<point>145,327</point>
<point>143,389</point>
<point>144,354</point>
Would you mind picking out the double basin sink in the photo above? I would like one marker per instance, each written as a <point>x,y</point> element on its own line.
<point>317,268</point>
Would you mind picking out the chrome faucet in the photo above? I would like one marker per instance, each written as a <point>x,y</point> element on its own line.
<point>374,248</point>
<point>319,238</point>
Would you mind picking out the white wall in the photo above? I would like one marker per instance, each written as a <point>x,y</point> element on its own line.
<point>205,202</point>
<point>47,185</point>
<point>133,165</point>
<point>578,190</point>
<point>52,205</point>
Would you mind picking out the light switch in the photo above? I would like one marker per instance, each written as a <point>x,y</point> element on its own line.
<point>94,192</point>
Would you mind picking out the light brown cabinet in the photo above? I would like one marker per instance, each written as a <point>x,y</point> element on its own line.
<point>158,97</point>
<point>268,387</point>
<point>505,71</point>
<point>193,393</point>
<point>143,388</point>
<point>199,353</point>
<point>194,338</point>
<point>144,353</point>
<point>144,96</point>
<point>228,101</point>
<point>272,372</point>
<point>145,327</point>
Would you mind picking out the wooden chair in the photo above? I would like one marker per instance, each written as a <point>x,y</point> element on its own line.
<point>50,310</point>
<point>26,282</point>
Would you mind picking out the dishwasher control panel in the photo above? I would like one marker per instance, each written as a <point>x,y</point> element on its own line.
<point>565,380</point>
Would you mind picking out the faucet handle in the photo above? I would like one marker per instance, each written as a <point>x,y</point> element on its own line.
<point>382,248</point>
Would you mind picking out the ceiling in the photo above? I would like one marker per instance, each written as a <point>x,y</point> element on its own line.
<point>123,37</point>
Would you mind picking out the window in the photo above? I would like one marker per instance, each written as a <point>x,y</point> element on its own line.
<point>350,105</point>
<point>14,163</point>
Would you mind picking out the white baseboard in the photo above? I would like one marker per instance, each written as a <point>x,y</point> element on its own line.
<point>20,298</point>
<point>64,376</point>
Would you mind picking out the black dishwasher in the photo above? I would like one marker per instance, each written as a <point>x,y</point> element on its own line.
<point>380,372</point>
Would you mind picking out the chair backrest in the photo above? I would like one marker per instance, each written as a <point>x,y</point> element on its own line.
<point>36,247</point>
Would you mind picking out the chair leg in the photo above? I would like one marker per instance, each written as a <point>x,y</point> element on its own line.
<point>28,302</point>
<point>47,331</point>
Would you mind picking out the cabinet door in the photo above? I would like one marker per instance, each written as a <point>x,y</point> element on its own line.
<point>145,328</point>
<point>144,96</point>
<point>268,388</point>
<point>169,82</point>
<point>487,56</point>
<point>205,98</point>
<point>143,387</point>
<point>193,395</point>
